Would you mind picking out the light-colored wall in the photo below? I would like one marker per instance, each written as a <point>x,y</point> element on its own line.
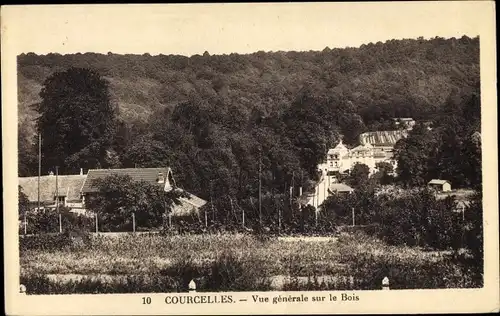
<point>446,187</point>
<point>351,159</point>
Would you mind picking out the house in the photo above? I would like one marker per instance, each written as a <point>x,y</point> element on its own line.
<point>440,185</point>
<point>161,177</point>
<point>340,188</point>
<point>407,122</point>
<point>372,150</point>
<point>62,189</point>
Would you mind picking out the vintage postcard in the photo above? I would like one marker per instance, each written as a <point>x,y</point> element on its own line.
<point>266,158</point>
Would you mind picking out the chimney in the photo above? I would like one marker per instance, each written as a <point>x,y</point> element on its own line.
<point>81,171</point>
<point>161,178</point>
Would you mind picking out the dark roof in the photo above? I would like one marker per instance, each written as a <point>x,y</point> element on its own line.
<point>68,185</point>
<point>137,174</point>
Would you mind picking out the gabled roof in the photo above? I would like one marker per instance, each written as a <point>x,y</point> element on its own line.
<point>137,174</point>
<point>382,138</point>
<point>188,205</point>
<point>340,187</point>
<point>361,148</point>
<point>193,199</point>
<point>463,204</point>
<point>68,185</point>
<point>340,147</point>
<point>439,181</point>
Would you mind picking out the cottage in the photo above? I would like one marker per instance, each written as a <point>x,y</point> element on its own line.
<point>62,189</point>
<point>162,177</point>
<point>440,185</point>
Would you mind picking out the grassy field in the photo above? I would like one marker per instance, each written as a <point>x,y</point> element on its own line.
<point>359,260</point>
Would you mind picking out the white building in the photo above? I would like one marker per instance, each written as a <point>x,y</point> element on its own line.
<point>341,159</point>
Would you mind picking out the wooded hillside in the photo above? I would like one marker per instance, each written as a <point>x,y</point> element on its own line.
<point>214,118</point>
<point>401,78</point>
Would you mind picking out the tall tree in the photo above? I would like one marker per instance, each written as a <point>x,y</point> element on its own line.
<point>76,120</point>
<point>119,196</point>
<point>415,156</point>
<point>358,176</point>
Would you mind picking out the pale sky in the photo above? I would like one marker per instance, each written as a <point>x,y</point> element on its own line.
<point>225,28</point>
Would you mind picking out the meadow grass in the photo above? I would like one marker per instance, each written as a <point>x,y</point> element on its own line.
<point>366,259</point>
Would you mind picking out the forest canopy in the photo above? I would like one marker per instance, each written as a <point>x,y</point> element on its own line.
<point>216,119</point>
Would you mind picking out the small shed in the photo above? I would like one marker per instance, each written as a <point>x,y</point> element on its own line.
<point>440,185</point>
<point>340,188</point>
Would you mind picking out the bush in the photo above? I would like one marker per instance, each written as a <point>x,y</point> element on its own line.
<point>39,284</point>
<point>228,273</point>
<point>47,221</point>
<point>44,242</point>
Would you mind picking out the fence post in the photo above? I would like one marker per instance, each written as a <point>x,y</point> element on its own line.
<point>133,222</point>
<point>385,284</point>
<point>192,287</point>
<point>96,223</point>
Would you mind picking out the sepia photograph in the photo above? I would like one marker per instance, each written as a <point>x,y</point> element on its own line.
<point>207,169</point>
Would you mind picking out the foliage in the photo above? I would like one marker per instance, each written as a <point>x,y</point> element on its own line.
<point>451,150</point>
<point>119,196</point>
<point>47,221</point>
<point>384,174</point>
<point>358,175</point>
<point>76,120</point>
<point>23,201</point>
<point>231,126</point>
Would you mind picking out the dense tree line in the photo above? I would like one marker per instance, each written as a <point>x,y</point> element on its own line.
<point>450,149</point>
<point>220,121</point>
<point>398,78</point>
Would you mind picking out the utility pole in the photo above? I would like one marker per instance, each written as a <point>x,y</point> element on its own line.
<point>212,203</point>
<point>57,199</point>
<point>39,165</point>
<point>260,189</point>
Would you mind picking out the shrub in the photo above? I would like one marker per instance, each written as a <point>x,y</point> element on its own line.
<point>229,273</point>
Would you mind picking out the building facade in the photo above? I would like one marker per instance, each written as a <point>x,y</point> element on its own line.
<point>341,159</point>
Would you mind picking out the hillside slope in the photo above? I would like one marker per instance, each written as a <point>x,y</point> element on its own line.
<point>406,78</point>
